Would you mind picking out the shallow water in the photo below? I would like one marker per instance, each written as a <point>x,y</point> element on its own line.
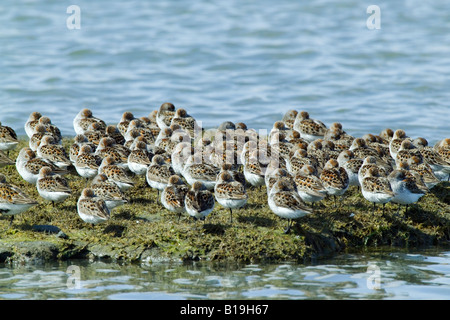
<point>235,61</point>
<point>383,275</point>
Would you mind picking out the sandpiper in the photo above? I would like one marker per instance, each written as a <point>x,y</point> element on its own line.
<point>13,200</point>
<point>108,191</point>
<point>230,193</point>
<point>92,209</point>
<point>52,186</point>
<point>199,201</point>
<point>286,203</point>
<point>173,195</point>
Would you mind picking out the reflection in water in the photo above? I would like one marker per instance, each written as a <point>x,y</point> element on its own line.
<point>384,275</point>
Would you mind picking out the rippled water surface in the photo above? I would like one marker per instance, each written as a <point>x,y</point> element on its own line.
<point>230,60</point>
<point>397,275</point>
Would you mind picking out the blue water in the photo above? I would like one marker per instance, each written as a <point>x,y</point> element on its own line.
<point>241,61</point>
<point>405,275</point>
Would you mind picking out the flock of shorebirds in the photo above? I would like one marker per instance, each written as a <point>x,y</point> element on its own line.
<point>299,160</point>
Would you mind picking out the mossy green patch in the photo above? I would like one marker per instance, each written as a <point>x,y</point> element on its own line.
<point>144,229</point>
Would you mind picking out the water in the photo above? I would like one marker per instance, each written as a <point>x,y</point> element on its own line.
<point>241,61</point>
<point>413,275</point>
<point>235,61</point>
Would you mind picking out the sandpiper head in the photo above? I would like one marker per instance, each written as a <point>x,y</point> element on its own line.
<point>345,155</point>
<point>358,143</point>
<point>79,138</point>
<point>225,176</point>
<point>166,132</point>
<point>399,174</point>
<point>108,161</point>
<point>420,142</point>
<point>198,185</point>
<point>328,144</point>
<point>140,145</point>
<point>85,149</point>
<point>372,172</point>
<point>175,180</point>
<point>415,160</point>
<point>45,120</point>
<point>407,144</point>
<point>303,115</point>
<point>101,177</point>
<point>135,123</point>
<point>332,163</point>
<point>29,154</point>
<point>181,113</point>
<point>167,106</point>
<point>86,113</point>
<point>315,145</point>
<point>175,126</point>
<point>226,125</point>
<point>158,160</point>
<point>241,126</point>
<point>44,172</point>
<point>370,159</point>
<point>399,134</point>
<point>40,128</point>
<point>34,116</point>
<point>87,193</point>
<point>300,153</point>
<point>387,134</point>
<point>368,137</point>
<point>279,125</point>
<point>336,126</point>
<point>445,143</point>
<point>47,140</point>
<point>290,114</point>
<point>95,126</point>
<point>402,165</point>
<point>111,129</point>
<point>127,116</point>
<point>308,169</point>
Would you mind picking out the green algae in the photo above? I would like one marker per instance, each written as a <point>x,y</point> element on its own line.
<point>143,230</point>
